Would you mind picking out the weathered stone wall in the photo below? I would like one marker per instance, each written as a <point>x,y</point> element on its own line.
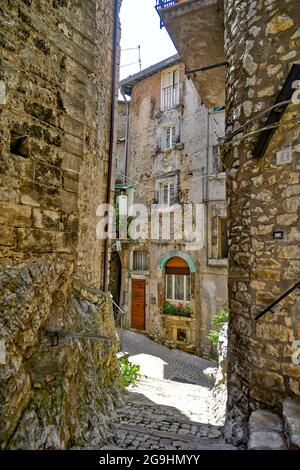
<point>56,64</point>
<point>55,397</point>
<point>148,162</point>
<point>262,42</point>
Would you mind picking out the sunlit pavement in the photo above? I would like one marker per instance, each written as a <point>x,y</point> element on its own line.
<point>168,409</point>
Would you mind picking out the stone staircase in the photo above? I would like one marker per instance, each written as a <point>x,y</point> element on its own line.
<point>162,414</point>
<point>269,431</point>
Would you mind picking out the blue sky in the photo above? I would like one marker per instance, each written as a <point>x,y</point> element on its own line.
<point>140,26</point>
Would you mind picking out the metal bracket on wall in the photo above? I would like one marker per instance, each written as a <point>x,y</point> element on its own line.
<point>55,334</point>
<point>275,115</point>
<point>206,67</point>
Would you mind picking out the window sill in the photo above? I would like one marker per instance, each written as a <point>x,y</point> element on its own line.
<point>177,317</point>
<point>218,262</point>
<point>143,273</point>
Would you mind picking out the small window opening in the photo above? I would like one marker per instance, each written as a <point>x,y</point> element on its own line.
<point>19,144</point>
<point>181,335</point>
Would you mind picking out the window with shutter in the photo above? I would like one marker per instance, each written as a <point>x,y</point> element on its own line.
<point>167,193</point>
<point>170,89</point>
<point>140,260</point>
<point>169,137</point>
<point>178,280</point>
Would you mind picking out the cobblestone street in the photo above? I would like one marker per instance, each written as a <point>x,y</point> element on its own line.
<point>168,409</point>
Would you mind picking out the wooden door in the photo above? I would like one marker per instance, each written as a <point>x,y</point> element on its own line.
<point>138,304</point>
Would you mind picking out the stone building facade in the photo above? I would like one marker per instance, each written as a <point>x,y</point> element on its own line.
<point>55,92</point>
<point>262,39</point>
<point>173,159</point>
<point>264,199</point>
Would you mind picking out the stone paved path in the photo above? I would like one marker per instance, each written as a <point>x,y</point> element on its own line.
<point>168,409</point>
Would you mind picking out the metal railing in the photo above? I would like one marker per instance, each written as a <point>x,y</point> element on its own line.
<point>277,301</point>
<point>170,97</point>
<point>160,4</point>
<point>119,321</point>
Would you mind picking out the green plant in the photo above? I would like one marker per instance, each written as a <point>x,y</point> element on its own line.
<point>213,336</point>
<point>218,322</point>
<point>180,310</point>
<point>130,372</point>
<point>118,222</point>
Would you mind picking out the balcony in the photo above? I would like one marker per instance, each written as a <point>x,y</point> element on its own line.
<point>169,97</point>
<point>165,4</point>
<point>197,31</point>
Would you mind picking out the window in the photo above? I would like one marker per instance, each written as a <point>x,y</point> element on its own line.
<point>140,261</point>
<point>167,193</point>
<point>169,137</point>
<point>170,89</point>
<point>178,287</point>
<point>222,238</point>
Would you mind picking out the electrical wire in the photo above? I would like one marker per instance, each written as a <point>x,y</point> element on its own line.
<point>266,128</point>
<point>255,118</point>
<point>137,183</point>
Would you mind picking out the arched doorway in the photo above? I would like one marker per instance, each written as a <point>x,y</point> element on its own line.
<point>115,276</point>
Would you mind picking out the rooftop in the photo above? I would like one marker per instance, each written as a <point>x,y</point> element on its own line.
<point>128,83</point>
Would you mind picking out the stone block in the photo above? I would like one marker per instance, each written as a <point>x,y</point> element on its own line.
<point>71,163</point>
<point>29,201</point>
<point>15,215</point>
<point>269,380</point>
<point>69,202</point>
<point>273,332</point>
<point>7,237</point>
<point>264,419</point>
<point>47,219</point>
<point>291,416</point>
<point>47,175</point>
<point>2,92</point>
<point>289,252</point>
<point>291,370</point>
<point>70,182</point>
<point>73,145</point>
<point>287,219</point>
<point>266,440</point>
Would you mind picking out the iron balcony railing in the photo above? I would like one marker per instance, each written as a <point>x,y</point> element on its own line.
<point>277,301</point>
<point>160,4</point>
<point>170,97</point>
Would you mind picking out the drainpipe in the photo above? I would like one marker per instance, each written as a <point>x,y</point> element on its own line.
<point>112,135</point>
<point>126,134</point>
<point>206,177</point>
<point>207,157</point>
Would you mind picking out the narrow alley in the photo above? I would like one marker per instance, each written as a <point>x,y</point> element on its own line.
<point>149,229</point>
<point>169,408</point>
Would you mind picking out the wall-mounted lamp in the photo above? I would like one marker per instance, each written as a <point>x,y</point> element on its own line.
<point>278,234</point>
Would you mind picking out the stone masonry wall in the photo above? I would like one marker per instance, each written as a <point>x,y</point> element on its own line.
<point>262,41</point>
<point>55,92</point>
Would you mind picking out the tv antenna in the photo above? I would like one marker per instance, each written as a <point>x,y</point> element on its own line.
<point>139,61</point>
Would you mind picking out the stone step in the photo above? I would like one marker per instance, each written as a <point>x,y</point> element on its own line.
<point>266,431</point>
<point>165,438</point>
<point>291,418</point>
<point>186,427</point>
